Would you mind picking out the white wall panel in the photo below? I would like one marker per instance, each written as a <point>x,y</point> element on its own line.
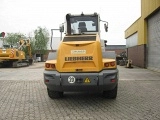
<point>132,40</point>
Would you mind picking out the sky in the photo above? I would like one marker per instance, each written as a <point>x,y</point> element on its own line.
<point>25,16</point>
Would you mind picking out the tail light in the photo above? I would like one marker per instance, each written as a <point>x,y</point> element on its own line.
<point>47,65</point>
<point>106,64</point>
<point>112,63</point>
<point>53,66</point>
<point>46,81</point>
<point>50,66</point>
<point>109,64</point>
<point>113,80</point>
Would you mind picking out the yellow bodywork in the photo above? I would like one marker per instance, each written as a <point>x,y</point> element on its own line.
<point>80,56</point>
<point>11,54</point>
<point>15,54</point>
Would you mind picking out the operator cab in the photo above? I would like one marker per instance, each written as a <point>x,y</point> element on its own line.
<point>6,46</point>
<point>82,24</point>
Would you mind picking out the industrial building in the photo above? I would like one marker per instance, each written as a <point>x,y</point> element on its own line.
<point>143,37</point>
<point>117,48</point>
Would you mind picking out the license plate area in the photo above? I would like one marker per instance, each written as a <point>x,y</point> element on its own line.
<point>79,79</point>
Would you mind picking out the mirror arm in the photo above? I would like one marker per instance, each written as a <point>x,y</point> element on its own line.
<point>103,21</point>
<point>105,25</point>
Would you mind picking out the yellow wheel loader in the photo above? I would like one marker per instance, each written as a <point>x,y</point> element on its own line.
<point>80,64</point>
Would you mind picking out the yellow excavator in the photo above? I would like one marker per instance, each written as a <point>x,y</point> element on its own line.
<point>11,56</point>
<point>80,63</point>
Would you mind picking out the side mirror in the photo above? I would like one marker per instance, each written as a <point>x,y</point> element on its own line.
<point>61,28</point>
<point>106,27</point>
<point>105,43</point>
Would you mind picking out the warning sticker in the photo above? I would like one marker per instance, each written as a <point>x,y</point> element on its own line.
<point>87,80</point>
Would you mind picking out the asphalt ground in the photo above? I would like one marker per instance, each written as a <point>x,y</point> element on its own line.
<point>23,96</point>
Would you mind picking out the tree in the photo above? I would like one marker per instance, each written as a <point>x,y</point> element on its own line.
<point>32,42</point>
<point>13,38</point>
<point>41,39</point>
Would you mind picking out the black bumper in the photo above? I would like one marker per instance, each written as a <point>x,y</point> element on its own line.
<point>102,81</point>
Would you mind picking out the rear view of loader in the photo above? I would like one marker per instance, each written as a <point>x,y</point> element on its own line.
<point>80,64</point>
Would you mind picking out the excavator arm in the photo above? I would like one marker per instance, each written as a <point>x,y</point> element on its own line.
<point>27,44</point>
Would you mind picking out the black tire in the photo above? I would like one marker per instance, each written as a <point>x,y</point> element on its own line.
<point>30,62</point>
<point>111,94</point>
<point>1,65</point>
<point>54,94</point>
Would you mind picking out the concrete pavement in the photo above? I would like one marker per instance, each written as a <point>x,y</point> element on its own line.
<point>137,73</point>
<point>23,96</point>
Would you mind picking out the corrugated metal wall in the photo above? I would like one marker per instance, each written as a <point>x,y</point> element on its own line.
<point>154,42</point>
<point>147,36</point>
<point>140,25</point>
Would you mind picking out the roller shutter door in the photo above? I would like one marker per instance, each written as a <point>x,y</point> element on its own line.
<point>154,42</point>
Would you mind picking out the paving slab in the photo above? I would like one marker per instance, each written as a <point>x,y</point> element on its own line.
<point>137,73</point>
<point>23,96</point>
